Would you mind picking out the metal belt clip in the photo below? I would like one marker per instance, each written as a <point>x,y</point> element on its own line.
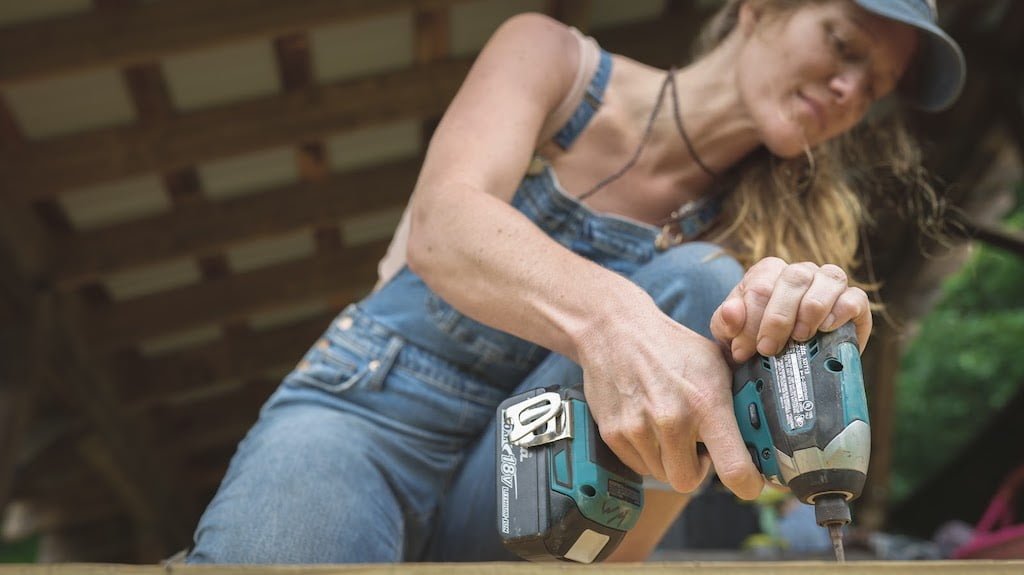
<point>540,419</point>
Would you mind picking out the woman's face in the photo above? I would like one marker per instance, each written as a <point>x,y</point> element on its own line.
<point>812,74</point>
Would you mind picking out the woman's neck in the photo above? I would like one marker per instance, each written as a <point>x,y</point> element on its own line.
<point>713,117</point>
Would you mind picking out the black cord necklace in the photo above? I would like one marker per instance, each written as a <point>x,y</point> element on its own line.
<point>670,234</point>
<point>648,129</point>
<point>682,131</point>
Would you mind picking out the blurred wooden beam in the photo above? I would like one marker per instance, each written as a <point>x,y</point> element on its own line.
<point>58,511</point>
<point>148,31</point>
<point>22,340</point>
<point>199,230</point>
<point>347,274</point>
<point>119,447</point>
<point>42,169</point>
<point>432,34</point>
<point>174,376</point>
<point>574,13</point>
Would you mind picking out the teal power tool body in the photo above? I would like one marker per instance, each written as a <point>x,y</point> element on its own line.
<point>563,495</point>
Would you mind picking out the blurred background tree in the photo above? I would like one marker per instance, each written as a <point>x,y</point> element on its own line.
<point>963,364</point>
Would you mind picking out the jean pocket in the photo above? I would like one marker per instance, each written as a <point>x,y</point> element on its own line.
<point>337,364</point>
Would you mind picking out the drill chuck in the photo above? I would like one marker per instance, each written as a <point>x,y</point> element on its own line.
<point>831,509</point>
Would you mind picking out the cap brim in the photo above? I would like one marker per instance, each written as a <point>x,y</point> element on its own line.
<point>940,69</point>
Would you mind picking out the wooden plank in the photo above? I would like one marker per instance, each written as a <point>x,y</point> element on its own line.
<point>18,370</point>
<point>44,168</point>
<point>347,274</point>
<point>22,332</point>
<point>28,519</point>
<point>203,426</point>
<point>10,133</point>
<point>674,568</point>
<point>571,12</point>
<point>122,449</point>
<point>201,230</point>
<point>41,169</point>
<point>433,35</point>
<point>178,374</point>
<point>152,30</point>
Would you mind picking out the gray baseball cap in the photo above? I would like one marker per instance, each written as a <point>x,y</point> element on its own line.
<point>939,68</point>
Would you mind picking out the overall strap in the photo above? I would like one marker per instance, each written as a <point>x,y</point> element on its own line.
<point>592,99</point>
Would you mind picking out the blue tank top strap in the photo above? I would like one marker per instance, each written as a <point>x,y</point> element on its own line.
<point>592,99</point>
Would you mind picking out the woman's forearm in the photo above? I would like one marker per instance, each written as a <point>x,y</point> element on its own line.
<point>493,264</point>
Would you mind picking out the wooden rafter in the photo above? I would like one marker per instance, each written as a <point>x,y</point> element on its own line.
<point>212,227</point>
<point>348,274</point>
<point>42,169</point>
<point>572,12</point>
<point>146,32</point>
<point>173,376</point>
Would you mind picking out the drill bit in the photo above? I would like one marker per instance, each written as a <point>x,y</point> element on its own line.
<point>835,531</point>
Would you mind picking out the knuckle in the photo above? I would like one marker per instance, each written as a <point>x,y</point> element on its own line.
<point>758,290</point>
<point>633,431</point>
<point>773,262</point>
<point>851,304</point>
<point>813,307</point>
<point>799,274</point>
<point>858,295</point>
<point>614,435</point>
<point>669,420</point>
<point>834,273</point>
<point>774,320</point>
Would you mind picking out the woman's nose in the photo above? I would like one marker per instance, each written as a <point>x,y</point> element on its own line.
<point>851,87</point>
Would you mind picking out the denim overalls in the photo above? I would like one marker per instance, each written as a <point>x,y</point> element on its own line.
<point>379,445</point>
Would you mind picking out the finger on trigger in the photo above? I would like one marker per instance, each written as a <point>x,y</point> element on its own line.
<point>629,456</point>
<point>730,456</point>
<point>682,463</point>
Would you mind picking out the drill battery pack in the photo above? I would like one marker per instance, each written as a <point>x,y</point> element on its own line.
<point>562,494</point>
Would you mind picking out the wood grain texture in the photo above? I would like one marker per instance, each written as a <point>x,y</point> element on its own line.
<point>148,31</point>
<point>714,568</point>
<point>42,169</point>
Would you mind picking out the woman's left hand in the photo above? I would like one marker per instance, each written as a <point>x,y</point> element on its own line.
<point>776,302</point>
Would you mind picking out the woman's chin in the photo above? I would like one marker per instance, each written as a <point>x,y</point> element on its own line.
<point>787,148</point>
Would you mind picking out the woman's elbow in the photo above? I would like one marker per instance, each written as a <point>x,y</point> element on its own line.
<point>420,251</point>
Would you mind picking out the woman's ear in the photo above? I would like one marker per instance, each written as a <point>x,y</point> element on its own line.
<point>750,14</point>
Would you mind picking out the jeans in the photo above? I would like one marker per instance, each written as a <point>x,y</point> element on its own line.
<point>377,450</point>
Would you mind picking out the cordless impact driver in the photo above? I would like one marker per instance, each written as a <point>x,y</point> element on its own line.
<point>563,495</point>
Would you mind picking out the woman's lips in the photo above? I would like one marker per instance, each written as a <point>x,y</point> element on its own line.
<point>816,109</point>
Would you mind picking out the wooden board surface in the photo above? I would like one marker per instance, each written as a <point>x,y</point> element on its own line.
<point>685,567</point>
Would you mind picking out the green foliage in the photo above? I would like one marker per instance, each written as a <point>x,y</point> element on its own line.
<point>963,365</point>
<point>20,552</point>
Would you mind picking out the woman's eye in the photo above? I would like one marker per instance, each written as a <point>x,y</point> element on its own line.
<point>841,46</point>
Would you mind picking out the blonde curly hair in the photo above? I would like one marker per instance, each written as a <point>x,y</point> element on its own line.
<point>814,208</point>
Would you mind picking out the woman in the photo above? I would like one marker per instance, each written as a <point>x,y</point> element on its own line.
<point>376,448</point>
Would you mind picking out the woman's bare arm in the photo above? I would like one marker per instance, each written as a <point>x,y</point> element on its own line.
<point>654,386</point>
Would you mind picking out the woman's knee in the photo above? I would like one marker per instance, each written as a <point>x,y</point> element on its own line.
<point>690,281</point>
<point>302,489</point>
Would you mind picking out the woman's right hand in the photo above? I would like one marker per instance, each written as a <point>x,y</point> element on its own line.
<point>656,389</point>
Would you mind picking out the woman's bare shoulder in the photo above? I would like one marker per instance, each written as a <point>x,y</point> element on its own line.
<point>541,36</point>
